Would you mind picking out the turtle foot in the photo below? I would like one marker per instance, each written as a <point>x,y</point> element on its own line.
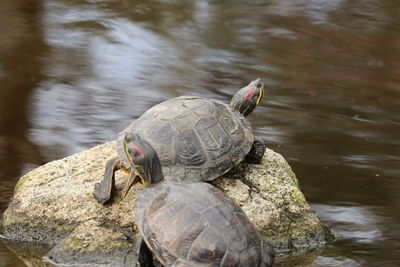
<point>99,194</point>
<point>256,153</point>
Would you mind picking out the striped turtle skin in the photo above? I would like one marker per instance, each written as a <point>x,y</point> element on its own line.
<point>196,139</point>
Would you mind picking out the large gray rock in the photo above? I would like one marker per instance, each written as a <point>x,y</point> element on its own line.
<point>53,204</point>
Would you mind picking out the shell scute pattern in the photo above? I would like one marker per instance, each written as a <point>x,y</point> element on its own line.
<point>231,127</point>
<point>156,246</point>
<point>199,225</point>
<point>208,247</point>
<point>166,110</point>
<point>184,121</point>
<point>245,123</point>
<point>158,202</point>
<point>160,132</point>
<point>236,155</point>
<point>208,174</point>
<point>188,150</point>
<point>184,241</point>
<point>214,138</point>
<point>196,139</point>
<point>242,218</point>
<point>166,154</point>
<point>200,107</point>
<point>217,217</point>
<point>236,238</point>
<point>224,164</point>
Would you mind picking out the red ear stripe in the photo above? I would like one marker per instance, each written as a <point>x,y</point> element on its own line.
<point>249,94</point>
<point>138,151</point>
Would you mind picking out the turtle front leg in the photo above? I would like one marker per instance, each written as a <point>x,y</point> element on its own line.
<point>103,190</point>
<point>133,179</point>
<point>256,153</point>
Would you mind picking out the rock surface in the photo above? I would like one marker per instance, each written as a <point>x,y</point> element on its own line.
<point>53,204</point>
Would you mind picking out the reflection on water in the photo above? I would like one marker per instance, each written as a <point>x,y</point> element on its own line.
<point>74,73</point>
<point>21,49</point>
<point>368,227</point>
<point>356,223</point>
<point>334,262</point>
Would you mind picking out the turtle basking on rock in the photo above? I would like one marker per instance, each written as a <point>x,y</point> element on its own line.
<point>190,224</point>
<point>196,138</point>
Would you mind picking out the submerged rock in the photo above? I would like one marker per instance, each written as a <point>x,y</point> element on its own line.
<point>53,204</point>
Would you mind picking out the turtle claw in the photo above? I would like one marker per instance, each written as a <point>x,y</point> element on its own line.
<point>97,187</point>
<point>99,194</point>
<point>133,179</point>
<point>103,191</point>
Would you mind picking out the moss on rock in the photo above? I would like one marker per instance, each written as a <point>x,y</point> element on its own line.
<point>54,204</point>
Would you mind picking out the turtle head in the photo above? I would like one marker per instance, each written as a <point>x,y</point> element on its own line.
<point>247,98</point>
<point>143,159</point>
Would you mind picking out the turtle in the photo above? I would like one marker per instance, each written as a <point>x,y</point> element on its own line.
<point>196,138</point>
<point>191,224</point>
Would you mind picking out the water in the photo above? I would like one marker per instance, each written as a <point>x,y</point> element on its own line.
<point>73,73</point>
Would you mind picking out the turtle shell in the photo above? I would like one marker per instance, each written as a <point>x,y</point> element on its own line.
<point>196,139</point>
<point>193,224</point>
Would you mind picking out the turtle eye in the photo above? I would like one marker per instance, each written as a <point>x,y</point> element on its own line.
<point>250,93</point>
<point>138,152</point>
<point>259,85</point>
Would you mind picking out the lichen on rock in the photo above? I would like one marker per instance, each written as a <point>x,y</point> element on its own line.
<point>269,193</point>
<point>53,204</point>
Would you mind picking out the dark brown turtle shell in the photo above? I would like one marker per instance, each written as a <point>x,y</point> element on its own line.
<point>195,224</point>
<point>195,138</point>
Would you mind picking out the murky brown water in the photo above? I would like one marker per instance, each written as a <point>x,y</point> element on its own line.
<point>73,73</point>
